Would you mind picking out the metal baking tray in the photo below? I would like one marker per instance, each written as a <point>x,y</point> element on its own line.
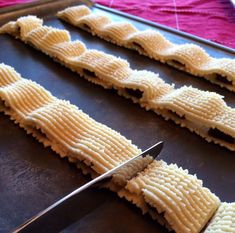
<point>33,177</point>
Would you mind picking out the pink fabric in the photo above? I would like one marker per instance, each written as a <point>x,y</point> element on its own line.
<point>4,3</point>
<point>210,19</point>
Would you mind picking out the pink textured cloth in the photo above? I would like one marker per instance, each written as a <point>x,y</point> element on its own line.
<point>4,3</point>
<point>210,19</point>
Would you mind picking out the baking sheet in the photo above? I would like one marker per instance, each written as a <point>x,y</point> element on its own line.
<point>32,177</point>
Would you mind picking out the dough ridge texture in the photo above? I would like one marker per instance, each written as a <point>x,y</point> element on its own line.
<point>187,57</point>
<point>202,112</point>
<point>96,148</point>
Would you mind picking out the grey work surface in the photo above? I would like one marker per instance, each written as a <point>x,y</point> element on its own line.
<point>32,177</point>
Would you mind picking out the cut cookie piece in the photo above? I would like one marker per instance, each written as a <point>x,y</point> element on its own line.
<point>178,198</point>
<point>223,220</point>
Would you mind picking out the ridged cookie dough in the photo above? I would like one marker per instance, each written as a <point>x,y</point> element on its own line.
<point>62,126</point>
<point>224,219</point>
<point>188,57</point>
<point>95,148</point>
<point>175,195</point>
<point>202,112</point>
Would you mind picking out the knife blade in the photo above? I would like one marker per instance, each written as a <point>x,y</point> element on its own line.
<point>61,214</point>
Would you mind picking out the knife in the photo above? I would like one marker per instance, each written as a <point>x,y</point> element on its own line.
<point>74,206</point>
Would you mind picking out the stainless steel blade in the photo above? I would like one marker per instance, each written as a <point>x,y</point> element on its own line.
<point>71,207</point>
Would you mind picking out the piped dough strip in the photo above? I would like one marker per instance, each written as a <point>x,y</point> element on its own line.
<point>188,57</point>
<point>61,125</point>
<point>224,219</point>
<point>202,112</point>
<point>73,134</point>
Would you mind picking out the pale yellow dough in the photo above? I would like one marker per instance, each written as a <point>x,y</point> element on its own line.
<point>112,72</point>
<point>199,111</point>
<point>188,57</point>
<point>95,148</point>
<point>61,125</point>
<point>178,196</point>
<point>224,219</point>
